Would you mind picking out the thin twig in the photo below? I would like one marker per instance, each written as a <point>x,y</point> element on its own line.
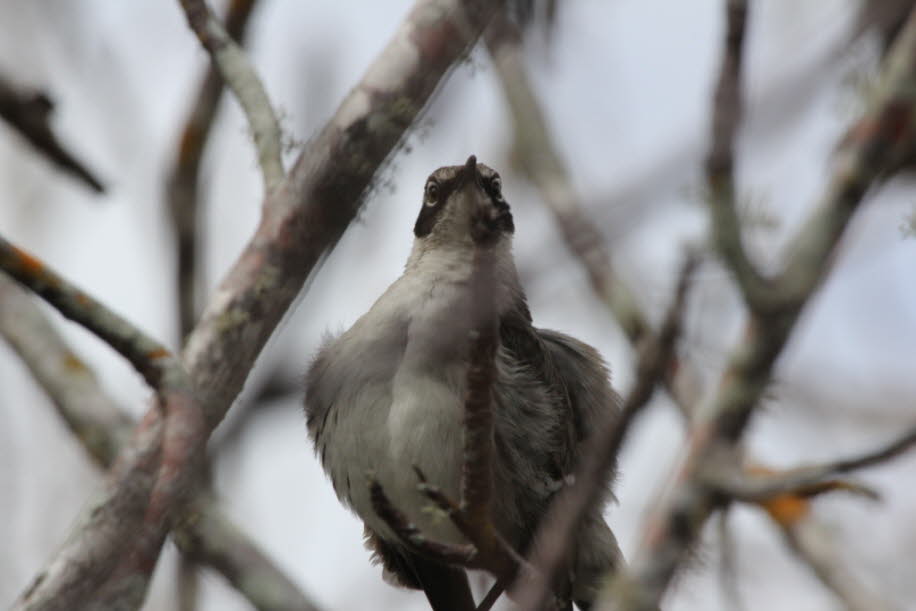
<point>558,528</point>
<point>29,113</point>
<point>496,555</point>
<point>866,161</point>
<point>245,83</point>
<point>462,553</point>
<point>183,183</point>
<point>720,175</point>
<point>808,480</point>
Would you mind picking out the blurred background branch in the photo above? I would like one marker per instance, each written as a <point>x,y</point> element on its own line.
<point>29,113</point>
<point>680,517</point>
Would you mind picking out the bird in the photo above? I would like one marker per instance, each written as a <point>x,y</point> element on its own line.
<point>386,397</point>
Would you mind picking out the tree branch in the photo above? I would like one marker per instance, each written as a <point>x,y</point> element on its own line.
<point>305,216</point>
<point>29,114</point>
<point>814,547</point>
<point>869,159</point>
<point>409,534</point>
<point>720,178</point>
<point>183,183</point>
<point>91,415</point>
<point>245,83</point>
<point>152,360</point>
<point>805,481</point>
<point>545,168</point>
<point>148,483</point>
<point>203,533</point>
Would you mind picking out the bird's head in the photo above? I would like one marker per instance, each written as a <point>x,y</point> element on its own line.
<point>463,204</point>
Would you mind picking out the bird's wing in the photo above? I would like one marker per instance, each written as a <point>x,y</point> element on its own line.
<point>585,377</point>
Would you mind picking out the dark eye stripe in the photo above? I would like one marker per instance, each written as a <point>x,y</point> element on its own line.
<point>429,214</point>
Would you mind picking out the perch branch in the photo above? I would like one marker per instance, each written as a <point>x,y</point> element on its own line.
<point>462,554</point>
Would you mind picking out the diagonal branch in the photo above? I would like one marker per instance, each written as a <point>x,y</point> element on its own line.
<point>29,113</point>
<point>868,159</point>
<point>303,217</point>
<point>245,83</point>
<point>156,364</point>
<point>477,475</point>
<point>559,526</point>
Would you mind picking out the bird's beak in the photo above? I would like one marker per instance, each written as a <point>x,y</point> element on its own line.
<point>470,166</point>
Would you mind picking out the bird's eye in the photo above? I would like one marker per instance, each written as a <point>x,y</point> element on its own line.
<point>497,185</point>
<point>432,193</point>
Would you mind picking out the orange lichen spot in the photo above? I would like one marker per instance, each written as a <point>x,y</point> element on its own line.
<point>73,363</point>
<point>82,298</point>
<point>158,353</point>
<point>784,509</point>
<point>28,262</point>
<point>787,509</point>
